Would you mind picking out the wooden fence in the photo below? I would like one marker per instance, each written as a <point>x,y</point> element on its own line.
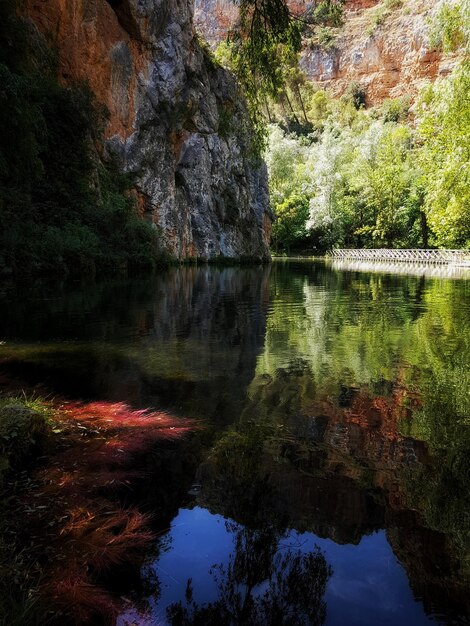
<point>406,256</point>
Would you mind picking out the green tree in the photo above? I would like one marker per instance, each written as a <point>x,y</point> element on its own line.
<point>444,126</point>
<point>384,177</point>
<point>289,228</point>
<point>62,209</point>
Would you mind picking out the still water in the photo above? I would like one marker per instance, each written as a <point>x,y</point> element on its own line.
<point>329,481</point>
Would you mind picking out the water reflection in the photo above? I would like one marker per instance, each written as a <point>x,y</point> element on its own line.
<point>450,270</point>
<point>187,340</point>
<point>367,585</point>
<point>337,413</point>
<point>261,582</point>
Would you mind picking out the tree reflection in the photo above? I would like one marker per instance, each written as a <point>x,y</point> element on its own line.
<point>261,584</point>
<point>266,580</point>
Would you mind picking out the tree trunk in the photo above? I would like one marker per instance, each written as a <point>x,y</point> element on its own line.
<point>291,107</point>
<point>301,103</point>
<point>268,112</point>
<point>424,229</point>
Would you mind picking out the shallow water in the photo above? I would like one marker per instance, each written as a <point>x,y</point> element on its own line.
<point>330,482</point>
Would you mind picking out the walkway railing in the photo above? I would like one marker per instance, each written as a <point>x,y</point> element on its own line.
<point>409,256</point>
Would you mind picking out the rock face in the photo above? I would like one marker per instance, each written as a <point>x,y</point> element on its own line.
<point>214,18</point>
<point>386,50</point>
<point>176,121</point>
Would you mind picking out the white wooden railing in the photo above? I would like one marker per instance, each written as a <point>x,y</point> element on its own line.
<point>409,256</point>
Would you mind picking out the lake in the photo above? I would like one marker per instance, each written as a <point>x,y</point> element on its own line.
<point>328,481</point>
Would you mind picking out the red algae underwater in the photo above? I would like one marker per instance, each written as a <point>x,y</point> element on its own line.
<point>76,519</point>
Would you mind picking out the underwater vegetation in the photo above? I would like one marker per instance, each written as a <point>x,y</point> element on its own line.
<point>70,522</point>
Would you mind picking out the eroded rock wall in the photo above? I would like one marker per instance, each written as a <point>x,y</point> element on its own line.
<point>177,122</point>
<point>387,50</point>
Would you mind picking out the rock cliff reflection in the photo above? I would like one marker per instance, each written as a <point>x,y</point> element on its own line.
<point>331,483</point>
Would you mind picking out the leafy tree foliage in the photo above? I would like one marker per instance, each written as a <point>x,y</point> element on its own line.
<point>445,157</point>
<point>445,132</point>
<point>289,229</point>
<point>359,177</point>
<point>263,48</point>
<point>370,176</point>
<point>451,25</point>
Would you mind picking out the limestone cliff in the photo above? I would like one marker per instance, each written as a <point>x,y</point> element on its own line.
<point>382,45</point>
<point>176,121</point>
<point>387,50</point>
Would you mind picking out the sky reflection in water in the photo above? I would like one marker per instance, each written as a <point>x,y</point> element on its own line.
<point>368,584</point>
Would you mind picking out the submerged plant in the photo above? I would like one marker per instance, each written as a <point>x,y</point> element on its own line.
<point>75,514</point>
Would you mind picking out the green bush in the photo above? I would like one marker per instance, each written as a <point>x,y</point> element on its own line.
<point>356,94</point>
<point>329,12</point>
<point>22,428</point>
<point>395,109</point>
